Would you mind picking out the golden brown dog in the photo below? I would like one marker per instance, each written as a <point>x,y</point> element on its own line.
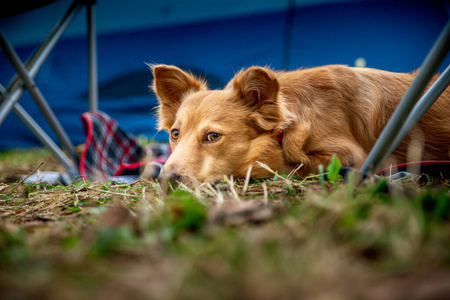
<point>319,112</point>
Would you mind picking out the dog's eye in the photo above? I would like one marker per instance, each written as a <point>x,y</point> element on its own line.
<point>213,136</point>
<point>174,135</point>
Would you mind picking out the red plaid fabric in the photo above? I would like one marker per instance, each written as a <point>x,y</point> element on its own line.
<point>110,151</point>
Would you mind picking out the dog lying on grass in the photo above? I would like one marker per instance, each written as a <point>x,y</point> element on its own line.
<point>284,119</point>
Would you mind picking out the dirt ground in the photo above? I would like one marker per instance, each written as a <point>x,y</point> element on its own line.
<point>283,238</point>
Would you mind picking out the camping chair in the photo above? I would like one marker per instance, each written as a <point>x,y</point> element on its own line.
<point>410,109</point>
<point>10,94</point>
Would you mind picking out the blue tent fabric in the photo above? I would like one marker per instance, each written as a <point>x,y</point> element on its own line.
<point>391,35</point>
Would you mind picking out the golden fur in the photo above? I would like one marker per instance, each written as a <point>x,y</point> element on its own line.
<point>323,111</point>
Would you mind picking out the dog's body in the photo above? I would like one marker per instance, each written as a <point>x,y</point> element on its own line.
<point>320,112</point>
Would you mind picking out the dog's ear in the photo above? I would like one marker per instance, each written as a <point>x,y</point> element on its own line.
<point>170,84</point>
<point>258,89</point>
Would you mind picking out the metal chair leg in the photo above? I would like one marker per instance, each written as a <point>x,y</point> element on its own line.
<point>381,150</point>
<point>46,140</point>
<point>92,56</point>
<point>24,78</point>
<point>422,107</point>
<point>37,96</point>
<point>15,87</point>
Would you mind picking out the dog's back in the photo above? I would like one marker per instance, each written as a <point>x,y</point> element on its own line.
<point>357,103</point>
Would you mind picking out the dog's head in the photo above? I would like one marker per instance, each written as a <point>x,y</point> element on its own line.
<point>218,132</point>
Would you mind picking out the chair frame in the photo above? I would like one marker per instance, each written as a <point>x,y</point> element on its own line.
<point>411,109</point>
<point>24,79</point>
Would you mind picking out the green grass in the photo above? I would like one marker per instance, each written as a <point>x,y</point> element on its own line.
<point>18,158</point>
<point>288,238</point>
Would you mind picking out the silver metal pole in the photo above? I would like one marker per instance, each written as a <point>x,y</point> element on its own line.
<point>7,105</point>
<point>15,86</point>
<point>422,107</point>
<point>380,150</point>
<point>2,90</point>
<point>37,96</point>
<point>45,139</point>
<point>92,56</point>
<point>36,60</point>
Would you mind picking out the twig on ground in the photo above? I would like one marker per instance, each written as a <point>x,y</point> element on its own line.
<point>21,181</point>
<point>294,171</point>
<point>247,179</point>
<point>230,183</point>
<point>273,172</point>
<point>266,194</point>
<point>113,193</point>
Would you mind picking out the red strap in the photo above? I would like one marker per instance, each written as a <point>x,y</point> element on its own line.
<point>442,163</point>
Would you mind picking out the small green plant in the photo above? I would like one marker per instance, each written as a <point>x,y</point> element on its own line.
<point>322,177</point>
<point>187,213</point>
<point>333,170</point>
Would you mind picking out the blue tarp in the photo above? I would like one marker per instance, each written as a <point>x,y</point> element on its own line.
<point>392,35</point>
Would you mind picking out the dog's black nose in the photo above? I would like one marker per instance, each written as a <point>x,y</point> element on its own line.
<point>169,176</point>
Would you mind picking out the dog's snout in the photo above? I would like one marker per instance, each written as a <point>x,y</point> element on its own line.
<point>169,176</point>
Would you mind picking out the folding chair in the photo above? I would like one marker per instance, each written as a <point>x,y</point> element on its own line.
<point>23,79</point>
<point>410,109</point>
